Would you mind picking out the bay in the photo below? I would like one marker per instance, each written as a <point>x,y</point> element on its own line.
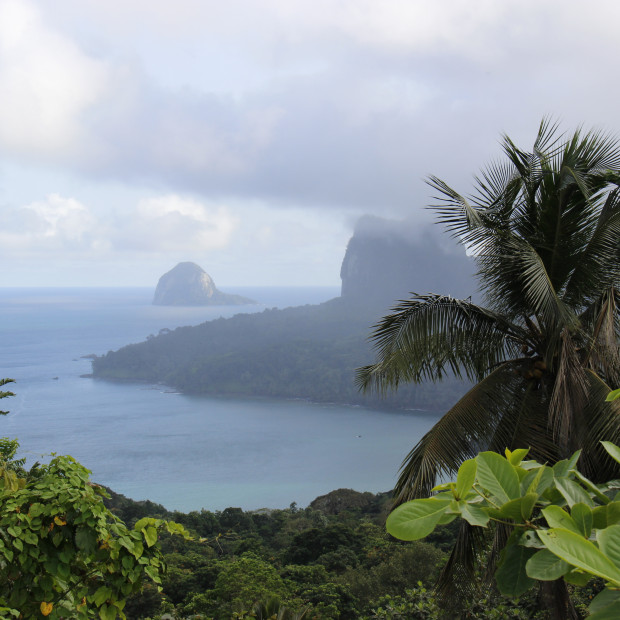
<point>185,452</point>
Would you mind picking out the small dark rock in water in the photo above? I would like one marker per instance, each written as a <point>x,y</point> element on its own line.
<point>189,285</point>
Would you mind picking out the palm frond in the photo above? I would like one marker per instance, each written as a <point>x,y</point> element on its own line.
<point>455,211</point>
<point>457,582</point>
<point>460,434</point>
<point>547,138</point>
<point>429,336</point>
<point>524,420</point>
<point>496,189</point>
<point>570,394</point>
<point>600,422</point>
<point>598,264</point>
<point>602,321</point>
<point>517,282</point>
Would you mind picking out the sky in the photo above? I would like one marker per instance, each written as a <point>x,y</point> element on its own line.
<point>249,136</point>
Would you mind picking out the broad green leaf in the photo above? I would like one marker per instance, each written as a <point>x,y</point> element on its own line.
<point>612,449</point>
<point>562,468</point>
<point>85,539</point>
<point>101,595</point>
<point>613,395</point>
<point>150,535</point>
<point>142,523</point>
<point>465,478</point>
<point>572,492</point>
<point>582,516</point>
<point>579,552</point>
<point>444,486</point>
<point>558,517</point>
<point>176,528</point>
<point>64,571</point>
<point>511,577</point>
<point>447,518</point>
<point>498,476</point>
<point>416,519</point>
<point>108,612</point>
<point>613,513</point>
<point>36,509</point>
<point>530,465</point>
<point>519,509</point>
<point>537,480</point>
<point>593,488</point>
<point>128,562</point>
<point>605,605</point>
<point>447,495</point>
<point>138,549</point>
<point>609,543</point>
<point>599,517</point>
<point>545,566</point>
<point>474,515</point>
<point>577,577</point>
<point>528,504</point>
<point>152,573</point>
<point>510,510</point>
<point>516,456</point>
<point>530,539</point>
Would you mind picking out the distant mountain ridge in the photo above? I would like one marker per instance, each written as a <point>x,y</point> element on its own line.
<point>188,284</point>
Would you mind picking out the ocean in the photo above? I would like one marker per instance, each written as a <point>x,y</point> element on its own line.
<point>185,452</point>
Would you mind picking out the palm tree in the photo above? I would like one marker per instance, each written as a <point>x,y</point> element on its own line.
<point>544,228</point>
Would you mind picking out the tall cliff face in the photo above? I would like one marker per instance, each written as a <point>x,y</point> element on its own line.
<point>189,285</point>
<point>384,262</point>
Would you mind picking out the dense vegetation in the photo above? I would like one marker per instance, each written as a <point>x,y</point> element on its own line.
<point>557,523</point>
<point>63,553</point>
<point>303,352</point>
<point>333,559</point>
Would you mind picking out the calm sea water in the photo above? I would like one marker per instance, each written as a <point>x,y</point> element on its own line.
<point>185,452</point>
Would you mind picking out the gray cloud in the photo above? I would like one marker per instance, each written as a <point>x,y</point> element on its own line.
<point>342,114</point>
<point>298,107</point>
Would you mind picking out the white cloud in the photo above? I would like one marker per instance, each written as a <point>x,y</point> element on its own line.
<point>173,223</point>
<point>47,84</point>
<point>62,217</point>
<point>53,226</point>
<point>254,125</point>
<point>156,225</point>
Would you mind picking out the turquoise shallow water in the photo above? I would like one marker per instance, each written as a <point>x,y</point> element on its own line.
<point>186,452</point>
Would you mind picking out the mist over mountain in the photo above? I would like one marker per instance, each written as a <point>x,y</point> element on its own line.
<point>309,351</point>
<point>388,260</point>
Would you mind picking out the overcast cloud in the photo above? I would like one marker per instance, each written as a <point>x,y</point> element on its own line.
<point>249,136</point>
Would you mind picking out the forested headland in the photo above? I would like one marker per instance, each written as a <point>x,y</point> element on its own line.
<point>306,352</point>
<point>311,351</point>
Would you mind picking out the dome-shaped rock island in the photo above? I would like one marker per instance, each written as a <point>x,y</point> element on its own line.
<point>188,284</point>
